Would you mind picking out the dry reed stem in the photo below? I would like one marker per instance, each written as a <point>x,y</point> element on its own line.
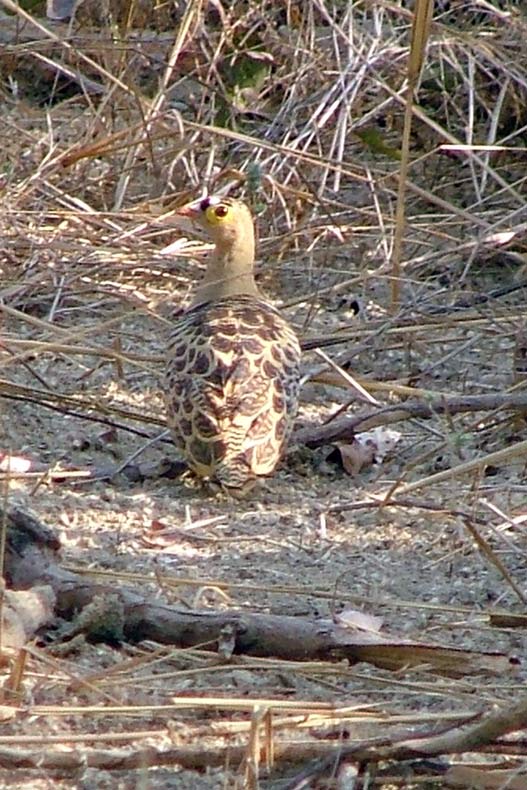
<point>74,274</point>
<point>419,38</point>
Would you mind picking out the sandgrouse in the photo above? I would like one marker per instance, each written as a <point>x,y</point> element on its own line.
<point>232,374</point>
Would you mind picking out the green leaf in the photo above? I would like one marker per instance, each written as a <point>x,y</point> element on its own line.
<point>372,138</point>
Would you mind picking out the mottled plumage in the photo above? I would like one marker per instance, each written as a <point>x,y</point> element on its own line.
<point>232,375</point>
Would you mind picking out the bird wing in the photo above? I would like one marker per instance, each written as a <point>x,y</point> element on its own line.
<point>232,388</point>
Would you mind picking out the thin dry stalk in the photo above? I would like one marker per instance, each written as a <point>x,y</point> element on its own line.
<point>304,110</point>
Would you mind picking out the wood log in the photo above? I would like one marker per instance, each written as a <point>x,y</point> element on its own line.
<point>32,558</point>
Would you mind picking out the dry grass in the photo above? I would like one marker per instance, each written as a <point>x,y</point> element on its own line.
<point>298,108</point>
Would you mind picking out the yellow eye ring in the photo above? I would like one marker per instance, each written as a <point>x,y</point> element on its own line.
<point>216,214</point>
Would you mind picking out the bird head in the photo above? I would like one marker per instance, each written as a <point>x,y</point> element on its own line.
<point>225,220</point>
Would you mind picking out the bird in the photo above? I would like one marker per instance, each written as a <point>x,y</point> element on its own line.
<point>232,373</point>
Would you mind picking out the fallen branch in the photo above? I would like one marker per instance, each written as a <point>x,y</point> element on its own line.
<point>341,429</point>
<point>115,614</point>
<point>456,740</point>
<point>346,427</point>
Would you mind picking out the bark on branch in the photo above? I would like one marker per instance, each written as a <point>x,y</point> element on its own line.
<point>113,614</point>
<point>346,427</point>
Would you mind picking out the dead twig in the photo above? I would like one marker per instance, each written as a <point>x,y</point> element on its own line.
<point>347,427</point>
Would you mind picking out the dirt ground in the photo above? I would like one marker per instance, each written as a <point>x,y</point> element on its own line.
<point>85,309</point>
<point>291,548</point>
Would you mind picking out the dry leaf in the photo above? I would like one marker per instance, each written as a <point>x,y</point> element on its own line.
<point>508,619</point>
<point>355,457</point>
<point>24,612</point>
<point>14,463</point>
<point>161,535</point>
<point>367,448</point>
<point>382,439</point>
<point>352,618</point>
<point>396,654</point>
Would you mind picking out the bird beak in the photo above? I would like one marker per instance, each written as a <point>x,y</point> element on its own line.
<point>191,210</point>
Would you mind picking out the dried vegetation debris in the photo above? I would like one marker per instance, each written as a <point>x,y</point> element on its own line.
<point>298,108</point>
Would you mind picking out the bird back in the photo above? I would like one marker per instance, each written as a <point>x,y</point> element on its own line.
<point>231,386</point>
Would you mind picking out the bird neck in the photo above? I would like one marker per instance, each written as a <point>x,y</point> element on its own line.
<point>230,272</point>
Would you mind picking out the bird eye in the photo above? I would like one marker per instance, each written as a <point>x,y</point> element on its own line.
<point>215,213</point>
